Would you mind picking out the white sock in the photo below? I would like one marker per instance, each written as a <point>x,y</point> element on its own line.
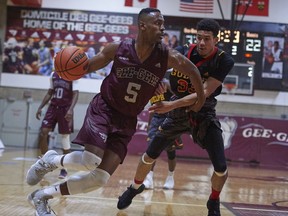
<point>136,186</point>
<point>53,190</point>
<point>170,173</point>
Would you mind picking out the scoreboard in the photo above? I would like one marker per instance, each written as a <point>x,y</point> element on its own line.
<point>240,43</point>
<point>248,47</point>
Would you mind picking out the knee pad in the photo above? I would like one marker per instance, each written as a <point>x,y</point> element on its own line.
<point>220,174</point>
<point>156,146</point>
<point>145,162</point>
<point>88,182</point>
<point>66,141</point>
<point>220,167</point>
<point>90,160</point>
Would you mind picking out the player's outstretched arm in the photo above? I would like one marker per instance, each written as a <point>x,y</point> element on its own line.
<point>179,62</point>
<point>103,58</point>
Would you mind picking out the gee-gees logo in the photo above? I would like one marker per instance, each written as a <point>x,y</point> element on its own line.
<point>259,131</point>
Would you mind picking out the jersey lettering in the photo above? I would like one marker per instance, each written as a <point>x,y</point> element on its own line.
<point>132,92</point>
<point>58,93</point>
<point>141,74</point>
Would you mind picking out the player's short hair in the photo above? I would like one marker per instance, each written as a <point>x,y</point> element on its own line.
<point>209,25</point>
<point>146,11</point>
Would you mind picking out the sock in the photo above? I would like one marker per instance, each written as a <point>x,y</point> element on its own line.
<point>53,190</point>
<point>214,194</point>
<point>57,160</point>
<point>137,184</point>
<point>170,173</point>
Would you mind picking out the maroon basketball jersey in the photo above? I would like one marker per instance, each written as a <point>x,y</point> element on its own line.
<point>63,91</point>
<point>131,83</point>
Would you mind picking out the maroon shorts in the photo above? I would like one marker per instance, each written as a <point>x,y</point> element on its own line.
<point>106,128</point>
<point>56,114</point>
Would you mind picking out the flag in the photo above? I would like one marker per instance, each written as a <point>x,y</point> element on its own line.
<point>255,8</point>
<point>197,6</point>
<point>27,3</point>
<point>141,3</point>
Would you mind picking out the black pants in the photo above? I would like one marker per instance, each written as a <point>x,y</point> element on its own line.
<point>210,137</point>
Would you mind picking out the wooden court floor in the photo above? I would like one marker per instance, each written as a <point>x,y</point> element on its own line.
<point>249,190</point>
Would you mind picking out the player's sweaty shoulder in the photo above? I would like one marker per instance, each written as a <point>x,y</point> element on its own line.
<point>174,58</point>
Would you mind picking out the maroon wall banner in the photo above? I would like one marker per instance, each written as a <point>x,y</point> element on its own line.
<point>246,139</point>
<point>32,34</point>
<point>27,3</point>
<point>80,27</point>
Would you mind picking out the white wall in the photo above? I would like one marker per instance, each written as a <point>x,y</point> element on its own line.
<point>42,82</point>
<point>277,8</point>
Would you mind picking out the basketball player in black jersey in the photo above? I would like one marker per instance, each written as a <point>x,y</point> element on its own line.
<point>110,122</point>
<point>154,123</point>
<point>214,64</point>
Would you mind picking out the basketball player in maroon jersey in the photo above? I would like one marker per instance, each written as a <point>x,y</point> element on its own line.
<point>110,122</point>
<point>214,64</point>
<point>63,97</point>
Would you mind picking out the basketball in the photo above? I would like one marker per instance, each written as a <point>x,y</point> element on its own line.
<point>71,63</point>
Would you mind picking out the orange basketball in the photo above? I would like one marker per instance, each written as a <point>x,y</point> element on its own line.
<point>71,63</point>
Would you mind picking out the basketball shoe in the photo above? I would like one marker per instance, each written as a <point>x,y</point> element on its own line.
<point>41,168</point>
<point>63,174</point>
<point>213,207</point>
<point>148,182</point>
<point>39,200</point>
<point>169,183</point>
<point>126,199</point>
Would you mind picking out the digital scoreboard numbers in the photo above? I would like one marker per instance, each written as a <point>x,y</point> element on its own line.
<point>252,42</point>
<point>253,45</point>
<point>252,49</point>
<point>225,36</point>
<point>243,46</point>
<point>230,41</point>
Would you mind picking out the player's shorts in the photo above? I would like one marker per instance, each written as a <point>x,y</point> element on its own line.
<point>155,125</point>
<point>208,127</point>
<point>56,114</point>
<point>106,128</point>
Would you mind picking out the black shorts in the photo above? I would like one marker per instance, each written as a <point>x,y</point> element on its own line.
<point>155,125</point>
<point>178,123</point>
